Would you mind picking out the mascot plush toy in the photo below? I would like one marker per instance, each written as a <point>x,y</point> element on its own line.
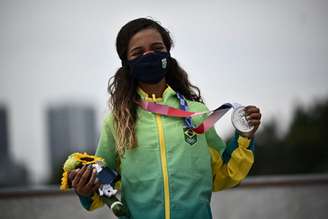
<point>106,177</point>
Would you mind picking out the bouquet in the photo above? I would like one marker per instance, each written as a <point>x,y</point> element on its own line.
<point>106,177</point>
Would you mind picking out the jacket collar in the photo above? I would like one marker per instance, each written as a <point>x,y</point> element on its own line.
<point>168,92</point>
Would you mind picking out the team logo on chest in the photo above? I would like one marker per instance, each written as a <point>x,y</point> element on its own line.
<point>190,136</point>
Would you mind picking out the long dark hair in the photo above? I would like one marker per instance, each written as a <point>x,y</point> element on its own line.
<point>123,89</point>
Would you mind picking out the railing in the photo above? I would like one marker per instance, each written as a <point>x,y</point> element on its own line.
<point>288,180</point>
<point>250,182</point>
<point>299,196</point>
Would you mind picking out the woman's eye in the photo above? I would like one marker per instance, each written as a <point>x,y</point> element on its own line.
<point>136,54</point>
<point>159,49</point>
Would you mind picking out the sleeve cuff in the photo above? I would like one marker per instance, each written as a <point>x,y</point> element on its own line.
<point>86,201</point>
<point>247,143</point>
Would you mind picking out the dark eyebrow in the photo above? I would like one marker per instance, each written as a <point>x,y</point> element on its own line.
<point>157,44</point>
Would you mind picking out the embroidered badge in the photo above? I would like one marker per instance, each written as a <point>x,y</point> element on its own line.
<point>164,63</point>
<point>190,136</point>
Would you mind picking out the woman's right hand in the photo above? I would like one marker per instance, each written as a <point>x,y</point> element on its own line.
<point>84,180</point>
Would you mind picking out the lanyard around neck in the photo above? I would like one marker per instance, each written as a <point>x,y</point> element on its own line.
<point>184,106</point>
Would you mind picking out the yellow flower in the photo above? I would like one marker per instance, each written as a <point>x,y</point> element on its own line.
<point>79,159</point>
<point>74,161</point>
<point>64,181</point>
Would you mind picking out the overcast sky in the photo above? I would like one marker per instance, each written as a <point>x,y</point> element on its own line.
<point>273,54</point>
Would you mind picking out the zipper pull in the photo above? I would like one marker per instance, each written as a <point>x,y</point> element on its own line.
<point>154,97</point>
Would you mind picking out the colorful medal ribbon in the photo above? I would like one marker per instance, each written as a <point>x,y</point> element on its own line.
<point>184,106</point>
<point>214,115</point>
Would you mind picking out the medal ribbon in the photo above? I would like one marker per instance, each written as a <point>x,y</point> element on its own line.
<point>214,115</point>
<point>184,106</point>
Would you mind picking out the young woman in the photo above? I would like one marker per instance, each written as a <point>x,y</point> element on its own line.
<point>167,170</point>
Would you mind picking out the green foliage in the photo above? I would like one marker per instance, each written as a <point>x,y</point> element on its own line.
<point>303,149</point>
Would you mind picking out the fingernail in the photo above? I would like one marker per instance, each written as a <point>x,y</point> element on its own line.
<point>248,117</point>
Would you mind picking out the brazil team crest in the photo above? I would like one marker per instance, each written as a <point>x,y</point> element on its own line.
<point>190,136</point>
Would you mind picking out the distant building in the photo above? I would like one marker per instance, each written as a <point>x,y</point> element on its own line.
<point>11,173</point>
<point>3,133</point>
<point>71,128</point>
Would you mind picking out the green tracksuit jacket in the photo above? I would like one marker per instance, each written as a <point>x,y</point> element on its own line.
<point>165,177</point>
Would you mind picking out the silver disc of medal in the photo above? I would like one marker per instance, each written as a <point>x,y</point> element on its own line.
<point>239,121</point>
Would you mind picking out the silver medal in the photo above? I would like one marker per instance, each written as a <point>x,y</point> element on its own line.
<point>239,120</point>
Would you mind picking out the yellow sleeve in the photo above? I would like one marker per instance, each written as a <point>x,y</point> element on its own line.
<point>230,164</point>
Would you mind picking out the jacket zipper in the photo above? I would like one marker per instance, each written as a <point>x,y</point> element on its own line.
<point>164,164</point>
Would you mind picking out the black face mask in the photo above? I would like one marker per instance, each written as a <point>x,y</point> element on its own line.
<point>150,68</point>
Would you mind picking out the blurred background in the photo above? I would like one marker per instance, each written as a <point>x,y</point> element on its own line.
<point>56,58</point>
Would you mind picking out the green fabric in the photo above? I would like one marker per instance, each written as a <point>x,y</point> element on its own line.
<point>189,166</point>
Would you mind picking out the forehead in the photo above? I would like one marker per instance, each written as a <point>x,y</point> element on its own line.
<point>144,38</point>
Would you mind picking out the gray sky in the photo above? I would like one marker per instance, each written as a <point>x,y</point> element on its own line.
<point>273,54</point>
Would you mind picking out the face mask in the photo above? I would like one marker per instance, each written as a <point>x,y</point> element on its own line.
<point>150,68</point>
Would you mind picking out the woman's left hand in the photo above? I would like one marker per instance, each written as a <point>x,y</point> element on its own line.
<point>253,117</point>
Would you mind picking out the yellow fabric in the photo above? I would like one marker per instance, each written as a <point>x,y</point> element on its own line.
<point>243,141</point>
<point>118,185</point>
<point>146,97</point>
<point>96,202</point>
<point>237,168</point>
<point>164,165</point>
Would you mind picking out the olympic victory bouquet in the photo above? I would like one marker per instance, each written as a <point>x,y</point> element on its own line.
<point>106,177</point>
